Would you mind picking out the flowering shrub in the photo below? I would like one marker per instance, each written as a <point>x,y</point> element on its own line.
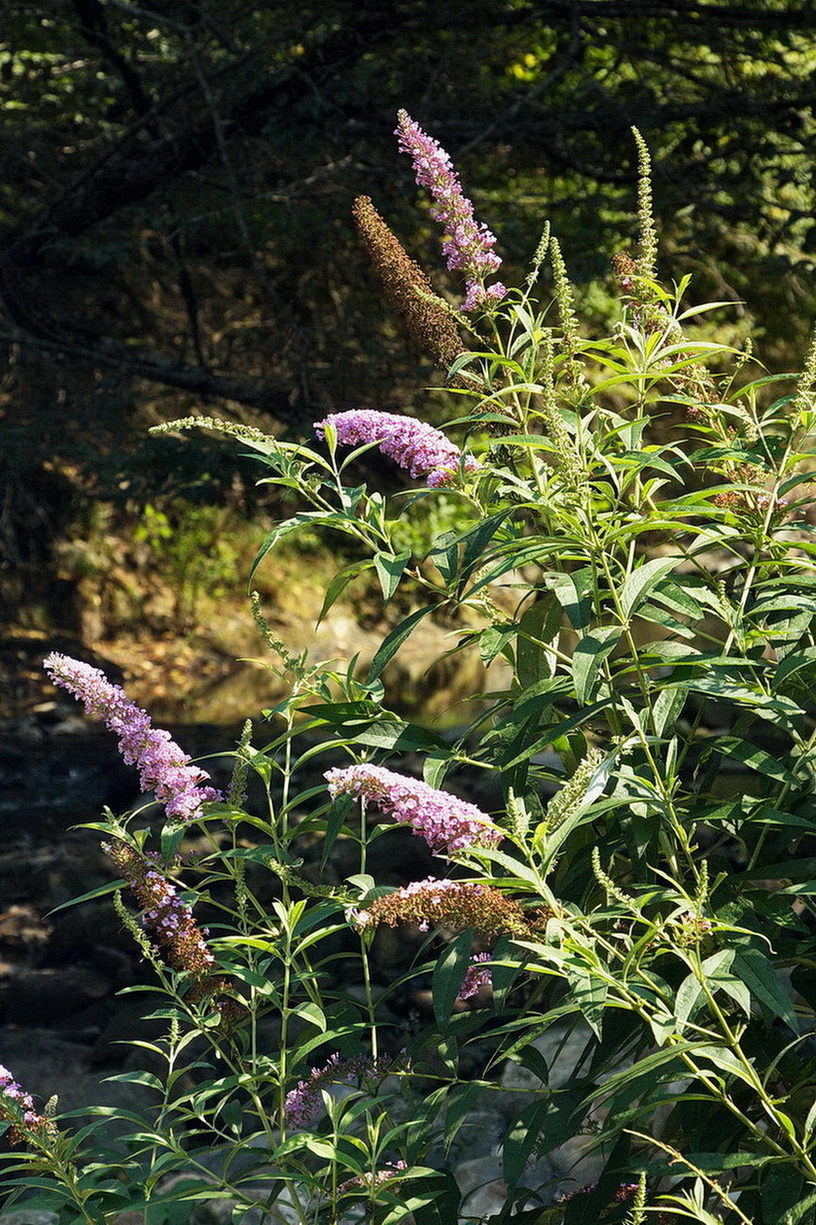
<point>632,921</point>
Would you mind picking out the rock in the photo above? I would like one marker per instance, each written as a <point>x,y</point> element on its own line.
<point>54,997</point>
<point>484,1191</point>
<point>29,1216</point>
<point>562,1047</point>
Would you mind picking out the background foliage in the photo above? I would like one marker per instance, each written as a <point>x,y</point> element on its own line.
<point>175,192</point>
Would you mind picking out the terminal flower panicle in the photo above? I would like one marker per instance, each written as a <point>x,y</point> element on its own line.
<point>467,244</point>
<point>17,1108</point>
<point>414,445</point>
<point>447,823</point>
<point>445,903</point>
<point>163,766</point>
<point>304,1103</point>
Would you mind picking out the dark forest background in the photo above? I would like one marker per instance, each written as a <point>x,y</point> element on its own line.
<point>176,181</point>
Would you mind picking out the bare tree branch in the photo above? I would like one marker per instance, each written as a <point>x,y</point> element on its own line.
<point>106,351</point>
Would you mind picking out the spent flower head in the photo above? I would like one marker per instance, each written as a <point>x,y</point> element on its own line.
<point>407,287</point>
<point>416,446</point>
<point>445,903</point>
<point>467,244</point>
<point>447,823</point>
<point>689,930</point>
<point>370,1182</point>
<point>163,766</point>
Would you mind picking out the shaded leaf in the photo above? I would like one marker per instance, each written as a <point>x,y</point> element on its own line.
<point>449,974</point>
<point>393,641</point>
<point>761,978</point>
<point>521,1141</point>
<point>540,624</point>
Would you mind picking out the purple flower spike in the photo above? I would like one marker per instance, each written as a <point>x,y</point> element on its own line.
<point>163,766</point>
<point>305,1102</point>
<point>467,243</point>
<point>412,444</point>
<point>447,823</point>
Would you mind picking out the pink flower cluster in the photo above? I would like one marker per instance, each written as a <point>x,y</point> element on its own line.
<point>304,1102</point>
<point>414,445</point>
<point>477,976</point>
<point>447,823</point>
<point>163,766</point>
<point>17,1108</point>
<point>467,243</point>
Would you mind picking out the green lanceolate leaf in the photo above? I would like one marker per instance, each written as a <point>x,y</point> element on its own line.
<point>779,710</point>
<point>666,710</point>
<point>393,641</point>
<point>761,977</point>
<point>448,976</point>
<point>793,663</point>
<point>340,581</point>
<point>433,1199</point>
<point>475,541</point>
<point>390,569</point>
<point>537,744</point>
<point>304,518</point>
<point>521,1140</point>
<point>538,628</point>
<point>754,757</point>
<point>781,1191</point>
<point>573,592</point>
<point>640,584</point>
<point>493,641</point>
<point>589,994</point>
<point>588,656</point>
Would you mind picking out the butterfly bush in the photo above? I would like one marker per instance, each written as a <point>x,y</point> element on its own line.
<point>163,766</point>
<point>467,243</point>
<point>447,823</point>
<point>414,445</point>
<point>594,897</point>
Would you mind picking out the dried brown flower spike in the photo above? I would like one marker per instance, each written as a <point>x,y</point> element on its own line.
<point>407,288</point>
